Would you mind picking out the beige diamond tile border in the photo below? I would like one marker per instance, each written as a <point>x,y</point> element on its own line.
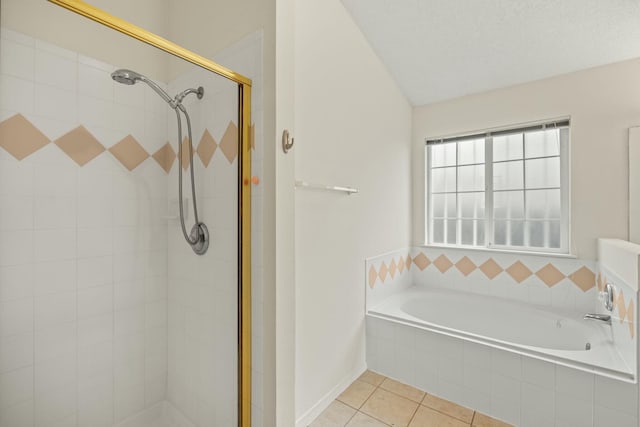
<point>396,267</point>
<point>21,138</point>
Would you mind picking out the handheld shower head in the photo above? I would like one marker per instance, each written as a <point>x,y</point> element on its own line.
<point>129,77</point>
<point>126,77</point>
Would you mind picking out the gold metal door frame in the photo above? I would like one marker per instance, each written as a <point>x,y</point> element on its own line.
<point>244,180</point>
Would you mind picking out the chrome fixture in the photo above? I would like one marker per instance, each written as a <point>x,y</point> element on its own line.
<point>604,318</point>
<point>607,296</point>
<point>199,236</point>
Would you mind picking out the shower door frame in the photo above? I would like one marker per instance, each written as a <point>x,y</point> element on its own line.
<point>244,180</point>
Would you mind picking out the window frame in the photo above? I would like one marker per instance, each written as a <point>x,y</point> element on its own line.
<point>489,220</point>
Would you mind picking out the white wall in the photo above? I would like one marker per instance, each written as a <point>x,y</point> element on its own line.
<point>603,103</point>
<point>352,127</point>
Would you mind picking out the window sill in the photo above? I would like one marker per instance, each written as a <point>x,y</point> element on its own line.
<point>499,251</point>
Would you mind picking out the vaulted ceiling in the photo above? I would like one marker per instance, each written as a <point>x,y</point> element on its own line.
<point>442,49</point>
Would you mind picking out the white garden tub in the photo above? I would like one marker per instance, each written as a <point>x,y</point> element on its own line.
<point>561,338</point>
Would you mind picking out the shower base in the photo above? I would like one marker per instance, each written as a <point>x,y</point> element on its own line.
<point>163,414</point>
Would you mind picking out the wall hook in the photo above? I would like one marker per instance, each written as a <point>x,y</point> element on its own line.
<point>287,143</point>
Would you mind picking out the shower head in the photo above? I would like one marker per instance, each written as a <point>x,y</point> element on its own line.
<point>129,77</point>
<point>126,77</point>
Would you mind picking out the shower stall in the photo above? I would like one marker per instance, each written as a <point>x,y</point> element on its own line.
<point>125,238</point>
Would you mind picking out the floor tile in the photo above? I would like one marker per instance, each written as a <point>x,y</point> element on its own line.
<point>427,417</point>
<point>481,420</point>
<point>449,408</point>
<point>363,420</point>
<point>336,415</point>
<point>403,390</point>
<point>372,378</point>
<point>390,408</point>
<point>356,394</point>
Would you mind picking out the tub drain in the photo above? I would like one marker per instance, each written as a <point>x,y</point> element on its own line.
<point>587,346</point>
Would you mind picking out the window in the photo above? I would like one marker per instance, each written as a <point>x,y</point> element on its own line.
<point>504,189</point>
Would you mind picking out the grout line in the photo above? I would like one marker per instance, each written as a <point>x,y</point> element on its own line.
<point>473,418</point>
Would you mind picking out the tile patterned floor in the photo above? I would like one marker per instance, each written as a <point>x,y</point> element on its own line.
<point>376,401</point>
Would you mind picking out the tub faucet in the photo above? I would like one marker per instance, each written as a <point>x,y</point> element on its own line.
<point>604,318</point>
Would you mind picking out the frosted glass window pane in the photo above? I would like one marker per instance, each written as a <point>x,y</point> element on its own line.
<point>444,205</point>
<point>443,180</point>
<point>536,231</point>
<point>471,178</point>
<point>451,231</point>
<point>443,154</point>
<point>471,152</point>
<point>542,173</point>
<point>554,234</point>
<point>507,147</point>
<point>509,233</point>
<point>508,205</point>
<point>508,176</point>
<point>472,232</point>
<point>543,204</point>
<point>471,205</point>
<point>542,143</point>
<point>438,231</point>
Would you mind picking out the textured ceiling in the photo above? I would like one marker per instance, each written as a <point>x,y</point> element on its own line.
<point>442,49</point>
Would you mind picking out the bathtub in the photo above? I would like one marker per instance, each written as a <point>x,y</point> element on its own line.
<point>562,338</point>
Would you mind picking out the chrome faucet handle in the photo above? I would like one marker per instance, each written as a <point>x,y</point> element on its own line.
<point>607,296</point>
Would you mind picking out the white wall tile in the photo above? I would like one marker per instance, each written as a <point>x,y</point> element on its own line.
<point>52,245</point>
<point>16,282</point>
<point>54,212</point>
<point>18,415</point>
<point>16,316</point>
<point>572,411</point>
<point>54,340</point>
<point>16,247</point>
<point>128,401</point>
<point>94,271</point>
<point>58,69</point>
<point>95,211</point>
<point>95,360</point>
<point>95,242</point>
<point>55,373</point>
<point>578,383</point>
<point>95,329</point>
<point>605,417</point>
<point>16,351</point>
<point>16,213</point>
<point>54,308</point>
<point>55,103</point>
<point>16,386</point>
<point>95,401</point>
<point>17,59</point>
<point>95,301</point>
<point>538,405</point>
<point>17,94</point>
<point>55,277</point>
<point>616,395</point>
<point>95,82</point>
<point>538,372</point>
<point>56,407</point>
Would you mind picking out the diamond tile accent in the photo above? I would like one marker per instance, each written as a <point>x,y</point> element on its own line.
<point>421,261</point>
<point>584,278</point>
<point>392,268</point>
<point>372,277</point>
<point>229,142</point>
<point>518,271</point>
<point>382,273</point>
<point>622,309</point>
<point>185,153</point>
<point>20,137</point>
<point>401,265</point>
<point>550,275</point>
<point>129,152</point>
<point>408,263</point>
<point>206,148</point>
<point>600,283</point>
<point>490,268</point>
<point>465,266</point>
<point>443,263</point>
<point>165,157</point>
<point>80,145</point>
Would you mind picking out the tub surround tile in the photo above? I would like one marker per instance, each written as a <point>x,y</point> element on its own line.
<point>356,394</point>
<point>550,275</point>
<point>390,408</point>
<point>80,145</point>
<point>403,390</point>
<point>20,138</point>
<point>518,271</point>
<point>449,408</point>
